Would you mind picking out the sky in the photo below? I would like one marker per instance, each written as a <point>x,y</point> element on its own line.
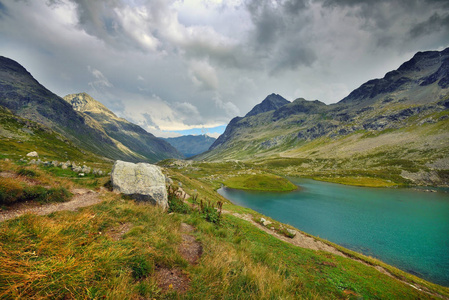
<point>178,67</point>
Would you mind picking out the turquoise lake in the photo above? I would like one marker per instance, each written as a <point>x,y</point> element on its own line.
<point>406,228</point>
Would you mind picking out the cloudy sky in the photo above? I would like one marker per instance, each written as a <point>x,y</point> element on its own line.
<point>174,66</point>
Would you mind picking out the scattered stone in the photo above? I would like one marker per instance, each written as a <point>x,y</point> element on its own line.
<point>81,174</point>
<point>141,181</point>
<point>291,232</point>
<point>33,154</point>
<point>265,222</point>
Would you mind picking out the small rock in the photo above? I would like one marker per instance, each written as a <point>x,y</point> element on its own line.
<point>291,232</point>
<point>265,222</point>
<point>81,174</point>
<point>33,154</point>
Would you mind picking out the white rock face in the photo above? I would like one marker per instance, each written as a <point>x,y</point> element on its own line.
<point>142,181</point>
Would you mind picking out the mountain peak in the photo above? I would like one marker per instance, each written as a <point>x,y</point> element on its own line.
<point>271,102</point>
<point>83,102</point>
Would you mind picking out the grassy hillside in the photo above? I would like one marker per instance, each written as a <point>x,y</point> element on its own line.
<point>120,249</point>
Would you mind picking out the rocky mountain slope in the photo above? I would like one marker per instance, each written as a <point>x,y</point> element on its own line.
<point>399,124</point>
<point>191,145</point>
<point>24,96</point>
<point>130,135</point>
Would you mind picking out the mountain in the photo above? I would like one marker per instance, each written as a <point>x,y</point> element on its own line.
<point>20,136</point>
<point>132,136</point>
<point>271,102</point>
<point>191,145</point>
<point>25,97</point>
<point>396,127</point>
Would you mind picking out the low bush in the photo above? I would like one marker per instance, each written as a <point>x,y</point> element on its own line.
<point>175,203</point>
<point>27,173</point>
<point>12,192</point>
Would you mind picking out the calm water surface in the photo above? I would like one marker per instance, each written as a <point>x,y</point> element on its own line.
<point>406,228</point>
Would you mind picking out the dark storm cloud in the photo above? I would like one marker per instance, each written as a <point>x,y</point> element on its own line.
<point>436,23</point>
<point>278,34</point>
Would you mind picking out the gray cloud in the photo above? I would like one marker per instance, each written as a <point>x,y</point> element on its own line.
<point>436,23</point>
<point>173,65</point>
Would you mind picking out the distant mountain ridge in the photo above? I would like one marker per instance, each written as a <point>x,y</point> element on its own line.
<point>24,96</point>
<point>400,121</point>
<point>191,145</point>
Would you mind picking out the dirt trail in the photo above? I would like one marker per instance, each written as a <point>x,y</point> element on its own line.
<point>81,198</point>
<point>175,279</point>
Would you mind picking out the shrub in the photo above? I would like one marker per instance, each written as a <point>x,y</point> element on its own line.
<point>175,204</point>
<point>12,192</point>
<point>27,173</point>
<point>209,213</point>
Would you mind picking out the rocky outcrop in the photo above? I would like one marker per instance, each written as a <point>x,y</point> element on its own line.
<point>141,181</point>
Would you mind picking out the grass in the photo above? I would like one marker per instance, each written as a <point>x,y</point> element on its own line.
<point>359,181</point>
<point>71,254</point>
<point>260,182</point>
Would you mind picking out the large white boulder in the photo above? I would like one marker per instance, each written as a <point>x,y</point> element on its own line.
<point>141,181</point>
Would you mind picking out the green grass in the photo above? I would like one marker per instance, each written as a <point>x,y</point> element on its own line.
<point>72,254</point>
<point>359,181</point>
<point>260,182</point>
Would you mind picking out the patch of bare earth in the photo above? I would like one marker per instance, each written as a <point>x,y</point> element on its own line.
<point>81,198</point>
<point>172,280</point>
<point>190,249</point>
<point>116,233</point>
<point>175,279</point>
